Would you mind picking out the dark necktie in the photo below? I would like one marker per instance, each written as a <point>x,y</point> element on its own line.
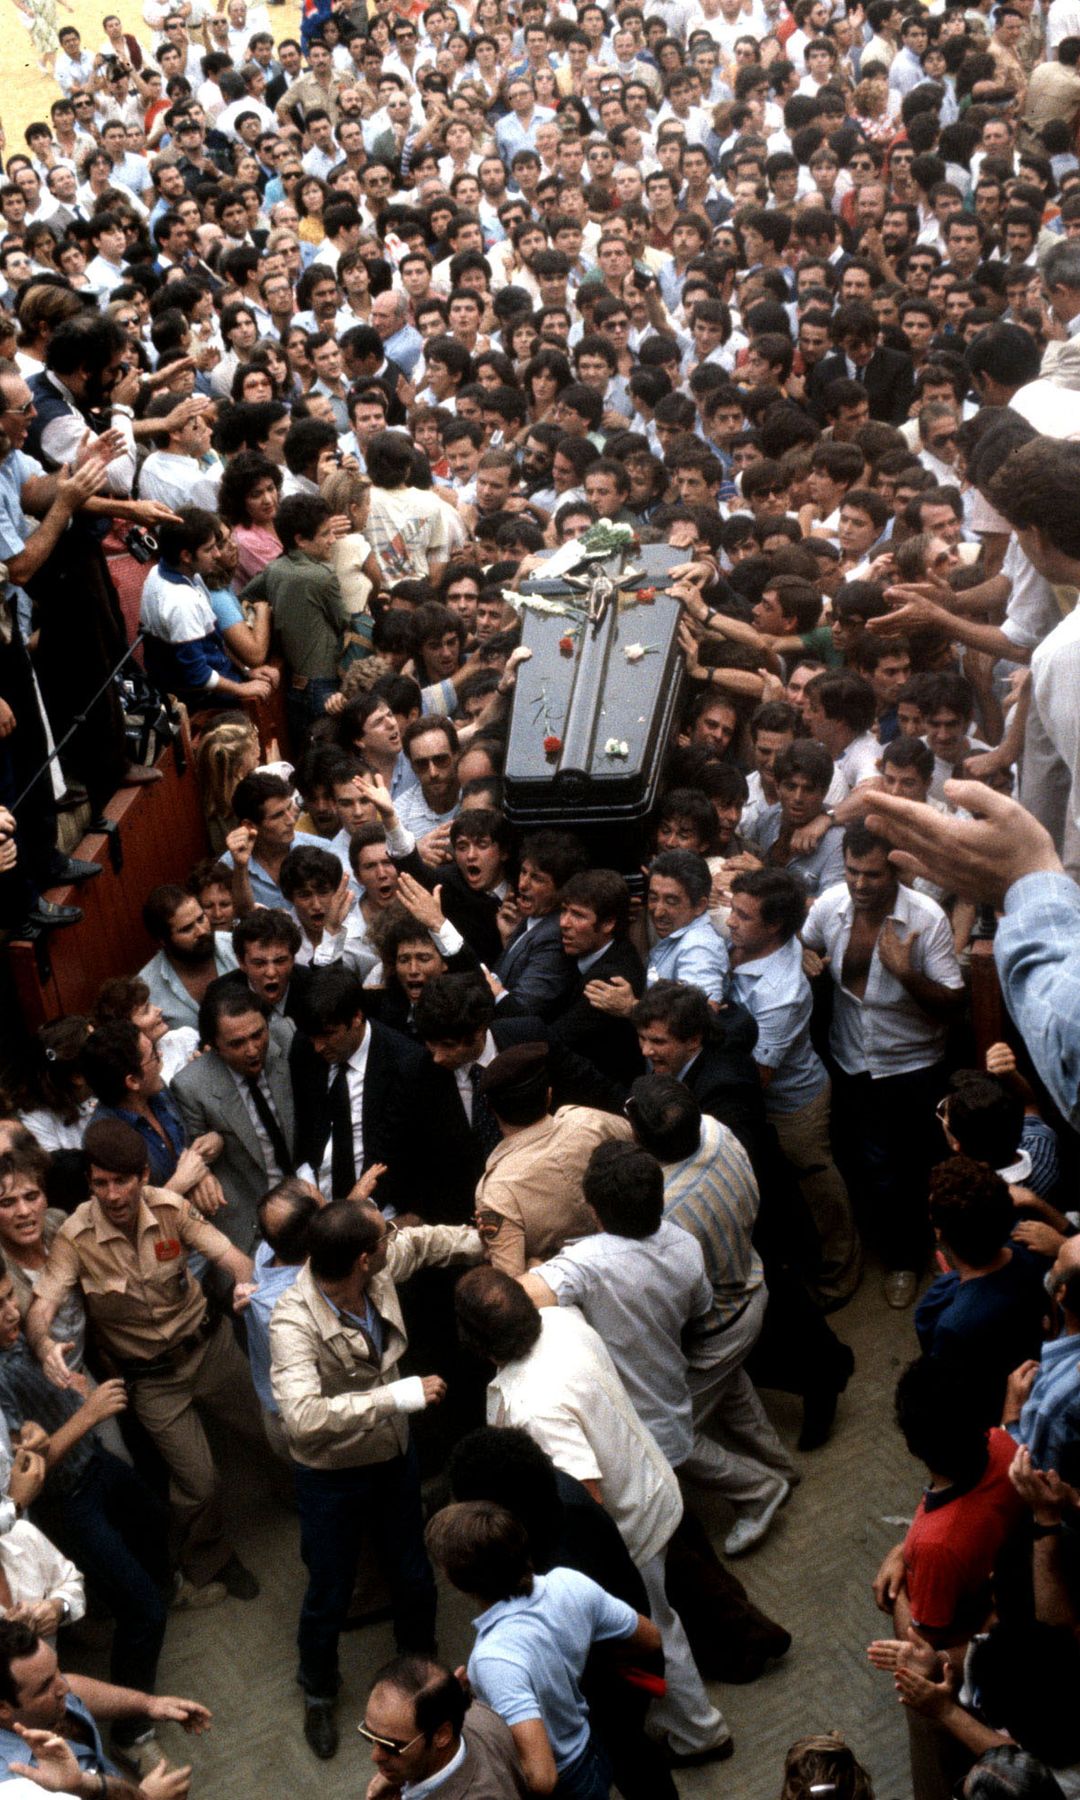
<point>342,1159</point>
<point>271,1125</point>
<point>485,1126</point>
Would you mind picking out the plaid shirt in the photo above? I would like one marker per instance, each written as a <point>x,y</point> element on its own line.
<point>1037,951</point>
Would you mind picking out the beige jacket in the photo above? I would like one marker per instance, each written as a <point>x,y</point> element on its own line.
<point>335,1400</point>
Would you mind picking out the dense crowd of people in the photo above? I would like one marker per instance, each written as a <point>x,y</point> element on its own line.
<point>473,1184</point>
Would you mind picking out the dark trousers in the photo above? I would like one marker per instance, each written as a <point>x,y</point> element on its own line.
<point>22,755</point>
<point>304,705</point>
<point>116,1529</point>
<point>587,1778</point>
<point>887,1140</point>
<point>336,1507</point>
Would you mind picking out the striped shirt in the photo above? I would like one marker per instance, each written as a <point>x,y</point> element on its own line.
<point>713,1195</point>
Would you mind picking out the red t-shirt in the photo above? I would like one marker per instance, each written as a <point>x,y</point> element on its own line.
<point>954,1541</point>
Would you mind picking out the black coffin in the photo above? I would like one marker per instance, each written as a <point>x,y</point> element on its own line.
<point>590,723</point>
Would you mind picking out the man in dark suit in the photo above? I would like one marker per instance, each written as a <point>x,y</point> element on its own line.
<point>457,1019</point>
<point>241,1088</point>
<point>594,911</point>
<point>362,1096</point>
<point>476,883</point>
<point>712,1052</point>
<point>887,375</point>
<point>265,944</point>
<point>533,968</point>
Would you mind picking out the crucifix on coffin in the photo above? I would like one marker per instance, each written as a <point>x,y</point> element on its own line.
<point>595,702</point>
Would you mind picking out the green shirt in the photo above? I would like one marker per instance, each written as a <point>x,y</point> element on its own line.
<point>310,615</point>
<point>818,643</point>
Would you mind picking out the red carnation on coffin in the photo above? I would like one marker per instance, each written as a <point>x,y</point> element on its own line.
<point>566,646</point>
<point>645,596</point>
<point>552,745</point>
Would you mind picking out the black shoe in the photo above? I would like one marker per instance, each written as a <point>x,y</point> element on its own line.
<point>46,915</point>
<point>696,1759</point>
<point>70,868</point>
<point>320,1729</point>
<point>74,796</point>
<point>819,1405</point>
<point>239,1582</point>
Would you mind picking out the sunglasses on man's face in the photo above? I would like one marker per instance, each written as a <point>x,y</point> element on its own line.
<point>395,1746</point>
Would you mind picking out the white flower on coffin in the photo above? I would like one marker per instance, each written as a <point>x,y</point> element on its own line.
<point>617,748</point>
<point>634,652</point>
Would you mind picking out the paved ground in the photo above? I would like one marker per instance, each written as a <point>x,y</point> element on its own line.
<point>813,1574</point>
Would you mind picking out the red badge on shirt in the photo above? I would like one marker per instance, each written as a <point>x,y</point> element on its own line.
<point>167,1249</point>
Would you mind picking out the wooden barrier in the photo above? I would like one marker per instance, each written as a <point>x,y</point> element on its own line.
<point>157,834</point>
<point>990,1022</point>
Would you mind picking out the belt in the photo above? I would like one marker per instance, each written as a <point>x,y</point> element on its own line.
<point>138,1368</point>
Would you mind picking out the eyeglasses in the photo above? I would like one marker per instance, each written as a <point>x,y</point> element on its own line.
<point>940,443</point>
<point>396,1746</point>
<point>442,761</point>
<point>776,488</point>
<point>18,412</point>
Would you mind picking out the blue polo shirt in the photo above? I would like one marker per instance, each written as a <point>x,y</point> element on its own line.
<point>530,1652</point>
<point>90,1757</point>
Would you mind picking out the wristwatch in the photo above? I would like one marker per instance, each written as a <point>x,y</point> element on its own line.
<point>1043,1531</point>
<point>65,1611</point>
<point>118,407</point>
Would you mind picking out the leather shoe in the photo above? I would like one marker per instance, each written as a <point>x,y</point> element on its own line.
<point>45,915</point>
<point>139,774</point>
<point>67,869</point>
<point>819,1405</point>
<point>238,1580</point>
<point>320,1729</point>
<point>695,1759</point>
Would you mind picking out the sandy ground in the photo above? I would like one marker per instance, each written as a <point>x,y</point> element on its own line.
<point>25,93</point>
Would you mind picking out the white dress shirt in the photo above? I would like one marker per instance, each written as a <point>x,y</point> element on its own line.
<point>885,1032</point>
<point>357,1070</point>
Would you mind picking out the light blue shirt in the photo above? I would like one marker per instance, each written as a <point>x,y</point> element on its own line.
<point>1037,951</point>
<point>1051,1414</point>
<point>511,135</point>
<point>404,348</point>
<point>416,816</point>
<point>271,1281</point>
<point>775,990</point>
<point>639,1294</point>
<point>820,869</point>
<point>530,1652</point>
<point>168,991</point>
<point>695,955</point>
<point>264,888</point>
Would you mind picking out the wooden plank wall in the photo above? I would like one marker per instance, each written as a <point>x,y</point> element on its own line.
<point>160,834</point>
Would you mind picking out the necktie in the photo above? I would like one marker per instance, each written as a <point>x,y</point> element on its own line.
<point>271,1125</point>
<point>342,1159</point>
<point>485,1126</point>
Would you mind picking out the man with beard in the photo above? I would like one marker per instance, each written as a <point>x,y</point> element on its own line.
<point>191,955</point>
<point>427,810</point>
<point>85,392</point>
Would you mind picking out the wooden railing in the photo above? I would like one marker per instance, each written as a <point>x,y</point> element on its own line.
<point>155,833</point>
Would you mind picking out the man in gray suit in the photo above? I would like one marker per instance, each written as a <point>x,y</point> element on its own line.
<point>242,1084</point>
<point>422,1730</point>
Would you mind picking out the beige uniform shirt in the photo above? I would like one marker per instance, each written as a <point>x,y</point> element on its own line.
<point>533,1181</point>
<point>140,1295</point>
